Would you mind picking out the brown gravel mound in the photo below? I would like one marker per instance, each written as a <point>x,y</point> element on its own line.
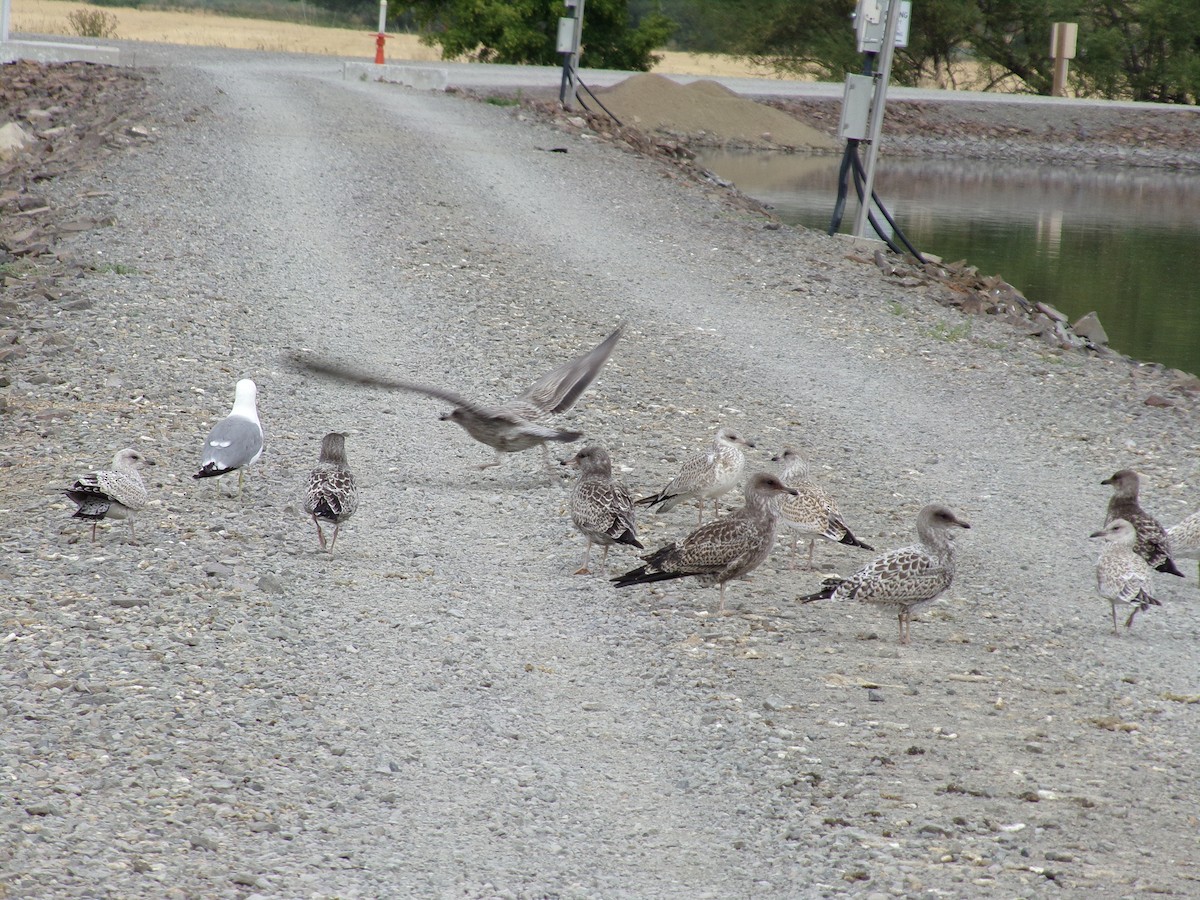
<point>705,110</point>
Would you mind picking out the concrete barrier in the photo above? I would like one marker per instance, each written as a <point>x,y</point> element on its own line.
<point>423,78</point>
<point>53,51</point>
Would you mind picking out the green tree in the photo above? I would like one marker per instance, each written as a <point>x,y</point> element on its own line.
<point>1148,50</point>
<point>817,37</point>
<point>525,31</point>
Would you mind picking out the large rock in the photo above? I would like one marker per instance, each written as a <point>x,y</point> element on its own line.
<point>13,140</point>
<point>1089,327</point>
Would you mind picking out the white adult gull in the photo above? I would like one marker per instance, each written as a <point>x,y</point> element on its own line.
<point>115,493</point>
<point>237,440</point>
<point>1122,575</point>
<point>707,475</point>
<point>509,427</point>
<point>905,580</point>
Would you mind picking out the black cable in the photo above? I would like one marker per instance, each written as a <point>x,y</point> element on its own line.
<point>859,184</point>
<point>591,94</point>
<point>858,167</point>
<point>839,207</point>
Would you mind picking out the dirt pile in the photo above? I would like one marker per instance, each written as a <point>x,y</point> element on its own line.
<point>705,111</point>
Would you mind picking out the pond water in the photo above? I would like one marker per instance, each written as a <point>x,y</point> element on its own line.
<point>1116,241</point>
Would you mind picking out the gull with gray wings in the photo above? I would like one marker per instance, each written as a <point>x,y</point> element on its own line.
<point>508,427</point>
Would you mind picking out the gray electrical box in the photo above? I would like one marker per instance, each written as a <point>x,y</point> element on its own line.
<point>566,35</point>
<point>856,107</point>
<point>870,24</point>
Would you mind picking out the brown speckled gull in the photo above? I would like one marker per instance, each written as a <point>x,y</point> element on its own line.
<point>1122,575</point>
<point>601,508</point>
<point>332,492</point>
<point>707,475</point>
<point>115,493</point>
<point>725,548</point>
<point>812,513</point>
<point>509,427</point>
<point>1184,538</point>
<point>1152,544</point>
<point>905,580</point>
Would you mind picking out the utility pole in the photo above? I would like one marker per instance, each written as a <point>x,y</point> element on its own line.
<point>875,127</point>
<point>570,37</point>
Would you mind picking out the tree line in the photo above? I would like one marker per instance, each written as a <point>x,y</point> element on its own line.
<point>1127,49</point>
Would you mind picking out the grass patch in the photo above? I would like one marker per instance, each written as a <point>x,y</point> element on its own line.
<point>950,333</point>
<point>116,269</point>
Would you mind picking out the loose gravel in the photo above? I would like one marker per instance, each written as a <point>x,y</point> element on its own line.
<point>440,709</point>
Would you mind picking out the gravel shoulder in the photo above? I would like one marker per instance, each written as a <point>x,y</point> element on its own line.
<point>441,708</point>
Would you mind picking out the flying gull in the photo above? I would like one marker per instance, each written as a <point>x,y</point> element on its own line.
<point>332,493</point>
<point>1122,575</point>
<point>237,440</point>
<point>1152,544</point>
<point>725,548</point>
<point>1184,538</point>
<point>509,427</point>
<point>812,512</point>
<point>601,509</point>
<point>707,475</point>
<point>111,494</point>
<point>906,580</point>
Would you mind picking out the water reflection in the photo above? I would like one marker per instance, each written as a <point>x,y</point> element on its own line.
<point>1109,240</point>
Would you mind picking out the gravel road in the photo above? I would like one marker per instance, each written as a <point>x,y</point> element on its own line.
<point>441,709</point>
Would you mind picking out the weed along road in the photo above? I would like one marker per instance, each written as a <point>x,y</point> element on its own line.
<point>218,707</point>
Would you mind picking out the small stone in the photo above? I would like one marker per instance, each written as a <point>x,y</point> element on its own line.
<point>269,584</point>
<point>1050,312</point>
<point>128,602</point>
<point>204,841</point>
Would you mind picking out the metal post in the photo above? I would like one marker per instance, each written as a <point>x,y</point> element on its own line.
<point>876,125</point>
<point>1062,50</point>
<point>379,38</point>
<point>566,91</point>
<point>5,18</point>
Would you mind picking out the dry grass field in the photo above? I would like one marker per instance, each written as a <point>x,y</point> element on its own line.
<point>49,17</point>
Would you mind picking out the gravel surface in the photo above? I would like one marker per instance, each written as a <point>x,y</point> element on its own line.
<point>441,709</point>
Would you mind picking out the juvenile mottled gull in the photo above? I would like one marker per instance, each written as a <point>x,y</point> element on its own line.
<point>1152,544</point>
<point>707,475</point>
<point>723,549</point>
<point>813,513</point>
<point>509,427</point>
<point>332,494</point>
<point>111,494</point>
<point>237,440</point>
<point>601,508</point>
<point>1122,575</point>
<point>906,580</point>
<point>1184,538</point>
